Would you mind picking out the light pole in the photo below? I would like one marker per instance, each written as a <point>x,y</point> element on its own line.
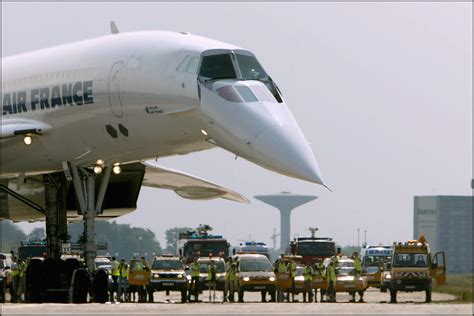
<point>140,245</point>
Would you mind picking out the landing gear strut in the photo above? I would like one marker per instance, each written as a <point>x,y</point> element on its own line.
<point>89,205</point>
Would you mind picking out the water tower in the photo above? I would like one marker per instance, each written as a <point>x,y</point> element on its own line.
<point>285,202</point>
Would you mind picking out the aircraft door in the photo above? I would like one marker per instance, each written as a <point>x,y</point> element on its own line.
<point>438,268</point>
<point>114,89</point>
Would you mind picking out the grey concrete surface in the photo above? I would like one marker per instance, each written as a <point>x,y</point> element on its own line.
<point>375,303</point>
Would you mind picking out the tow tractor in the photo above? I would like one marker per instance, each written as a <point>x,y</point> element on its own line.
<point>413,268</point>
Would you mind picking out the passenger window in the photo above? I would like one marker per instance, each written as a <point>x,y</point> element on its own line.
<point>246,94</point>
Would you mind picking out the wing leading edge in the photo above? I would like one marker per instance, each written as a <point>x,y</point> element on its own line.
<point>187,186</point>
<point>17,127</point>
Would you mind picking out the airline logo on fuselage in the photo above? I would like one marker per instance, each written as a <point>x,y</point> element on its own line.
<point>69,94</point>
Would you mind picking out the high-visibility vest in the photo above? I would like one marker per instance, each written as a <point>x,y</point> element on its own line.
<point>331,273</point>
<point>293,269</point>
<point>231,272</point>
<point>319,268</point>
<point>282,268</point>
<point>357,265</point>
<point>308,273</point>
<point>15,269</point>
<point>211,270</point>
<point>115,268</point>
<point>138,266</point>
<point>195,269</point>
<point>24,266</point>
<point>124,270</point>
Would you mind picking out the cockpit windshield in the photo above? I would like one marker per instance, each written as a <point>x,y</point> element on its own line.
<point>217,67</point>
<point>239,65</point>
<point>250,68</point>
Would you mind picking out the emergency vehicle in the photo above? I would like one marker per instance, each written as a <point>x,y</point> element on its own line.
<point>255,274</point>
<point>168,274</point>
<point>374,260</point>
<point>254,247</point>
<point>195,244</point>
<point>312,248</point>
<point>413,268</point>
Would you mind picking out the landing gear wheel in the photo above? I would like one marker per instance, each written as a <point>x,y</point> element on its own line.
<point>393,296</point>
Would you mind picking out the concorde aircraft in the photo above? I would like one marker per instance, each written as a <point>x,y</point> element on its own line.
<point>119,100</point>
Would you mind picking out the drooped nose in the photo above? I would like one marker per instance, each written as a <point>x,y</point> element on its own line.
<point>283,148</point>
<point>258,130</point>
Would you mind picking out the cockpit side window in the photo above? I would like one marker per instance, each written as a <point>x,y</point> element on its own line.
<point>250,68</point>
<point>217,67</point>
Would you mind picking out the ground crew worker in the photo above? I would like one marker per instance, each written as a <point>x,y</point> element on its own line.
<point>357,264</point>
<point>122,281</point>
<point>281,268</point>
<point>115,275</point>
<point>22,286</point>
<point>194,286</point>
<point>212,279</point>
<point>292,268</point>
<point>15,268</point>
<point>331,279</point>
<point>230,277</point>
<point>8,281</point>
<point>319,271</point>
<point>308,283</point>
<point>358,271</point>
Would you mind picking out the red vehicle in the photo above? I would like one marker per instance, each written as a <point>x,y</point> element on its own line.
<point>312,248</point>
<point>194,245</point>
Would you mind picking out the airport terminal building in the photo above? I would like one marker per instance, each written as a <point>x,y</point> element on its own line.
<point>446,222</point>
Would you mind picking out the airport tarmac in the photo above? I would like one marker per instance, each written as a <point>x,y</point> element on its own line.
<point>375,303</point>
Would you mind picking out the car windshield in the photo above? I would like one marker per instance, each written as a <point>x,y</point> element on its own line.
<point>219,267</point>
<point>410,260</point>
<point>374,261</point>
<point>167,265</point>
<point>103,264</point>
<point>345,267</point>
<point>316,248</point>
<point>216,248</point>
<point>2,264</point>
<point>255,266</point>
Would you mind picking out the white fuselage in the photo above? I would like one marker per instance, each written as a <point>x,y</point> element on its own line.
<point>129,97</point>
<point>135,103</point>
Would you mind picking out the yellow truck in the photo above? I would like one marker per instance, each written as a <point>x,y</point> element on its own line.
<point>413,268</point>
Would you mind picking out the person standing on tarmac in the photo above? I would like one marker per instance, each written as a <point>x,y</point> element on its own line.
<point>331,279</point>
<point>15,267</point>
<point>281,268</point>
<point>308,283</point>
<point>194,286</point>
<point>230,277</point>
<point>122,281</point>
<point>115,275</point>
<point>319,271</point>
<point>292,268</point>
<point>357,273</point>
<point>212,279</point>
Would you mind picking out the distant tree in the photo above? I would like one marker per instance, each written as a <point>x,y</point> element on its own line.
<point>11,236</point>
<point>349,250</point>
<point>122,239</point>
<point>172,236</point>
<point>37,233</point>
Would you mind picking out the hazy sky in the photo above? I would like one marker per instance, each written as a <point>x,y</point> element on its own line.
<point>383,91</point>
